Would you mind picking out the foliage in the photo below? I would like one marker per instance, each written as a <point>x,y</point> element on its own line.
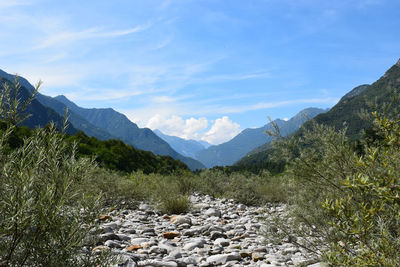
<point>244,187</point>
<point>12,110</point>
<point>259,162</point>
<point>174,204</point>
<point>369,212</point>
<point>116,155</point>
<point>110,154</point>
<point>30,112</point>
<point>345,205</point>
<point>45,217</point>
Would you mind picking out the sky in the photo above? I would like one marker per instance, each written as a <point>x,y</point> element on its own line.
<point>202,70</point>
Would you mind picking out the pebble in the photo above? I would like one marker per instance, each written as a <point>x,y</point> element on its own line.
<point>216,232</point>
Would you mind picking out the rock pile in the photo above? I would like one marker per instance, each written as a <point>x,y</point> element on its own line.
<point>217,232</point>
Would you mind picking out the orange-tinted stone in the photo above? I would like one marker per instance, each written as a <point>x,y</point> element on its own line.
<point>170,235</point>
<point>104,217</point>
<point>133,247</point>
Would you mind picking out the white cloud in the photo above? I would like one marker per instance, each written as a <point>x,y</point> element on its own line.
<point>177,126</point>
<point>223,130</point>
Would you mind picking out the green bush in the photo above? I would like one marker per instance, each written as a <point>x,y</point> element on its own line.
<point>345,203</point>
<point>368,214</point>
<point>174,204</point>
<point>45,217</point>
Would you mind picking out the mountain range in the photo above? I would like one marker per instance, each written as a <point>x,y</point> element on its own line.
<point>103,124</point>
<point>251,145</point>
<point>40,115</point>
<point>229,152</point>
<point>346,113</point>
<point>106,124</point>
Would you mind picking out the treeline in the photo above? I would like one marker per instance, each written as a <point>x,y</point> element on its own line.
<point>255,167</point>
<point>116,155</point>
<point>109,154</point>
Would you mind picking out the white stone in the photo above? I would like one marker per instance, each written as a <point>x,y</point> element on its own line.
<point>223,258</point>
<point>212,212</point>
<point>181,219</point>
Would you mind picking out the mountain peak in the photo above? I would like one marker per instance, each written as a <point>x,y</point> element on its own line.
<point>356,91</point>
<point>398,63</point>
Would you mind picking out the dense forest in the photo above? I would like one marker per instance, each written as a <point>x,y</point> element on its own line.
<point>110,154</point>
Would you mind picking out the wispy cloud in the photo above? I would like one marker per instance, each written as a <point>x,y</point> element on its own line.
<point>68,37</point>
<point>234,77</point>
<point>106,94</point>
<point>11,3</point>
<point>164,43</point>
<point>266,105</point>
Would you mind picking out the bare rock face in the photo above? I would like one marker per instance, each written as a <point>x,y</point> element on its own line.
<point>217,232</point>
<point>398,63</point>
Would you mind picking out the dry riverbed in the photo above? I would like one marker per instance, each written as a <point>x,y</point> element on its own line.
<point>217,232</point>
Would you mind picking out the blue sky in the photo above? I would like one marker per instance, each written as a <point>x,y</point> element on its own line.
<point>200,69</point>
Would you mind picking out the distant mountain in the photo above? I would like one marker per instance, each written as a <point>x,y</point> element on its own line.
<point>78,121</point>
<point>228,153</point>
<point>40,114</point>
<point>60,108</point>
<point>346,112</point>
<point>205,143</point>
<point>184,147</point>
<point>120,126</point>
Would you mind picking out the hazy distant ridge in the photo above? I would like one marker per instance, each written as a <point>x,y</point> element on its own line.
<point>230,152</point>
<point>182,146</point>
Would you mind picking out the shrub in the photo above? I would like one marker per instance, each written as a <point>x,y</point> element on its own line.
<point>345,205</point>
<point>174,204</point>
<point>45,217</point>
<point>368,214</point>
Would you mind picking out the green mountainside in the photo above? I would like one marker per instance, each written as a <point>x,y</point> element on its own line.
<point>110,154</point>
<point>116,155</point>
<point>228,153</point>
<point>346,113</point>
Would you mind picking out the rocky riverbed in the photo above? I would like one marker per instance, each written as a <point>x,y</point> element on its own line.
<point>217,232</point>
